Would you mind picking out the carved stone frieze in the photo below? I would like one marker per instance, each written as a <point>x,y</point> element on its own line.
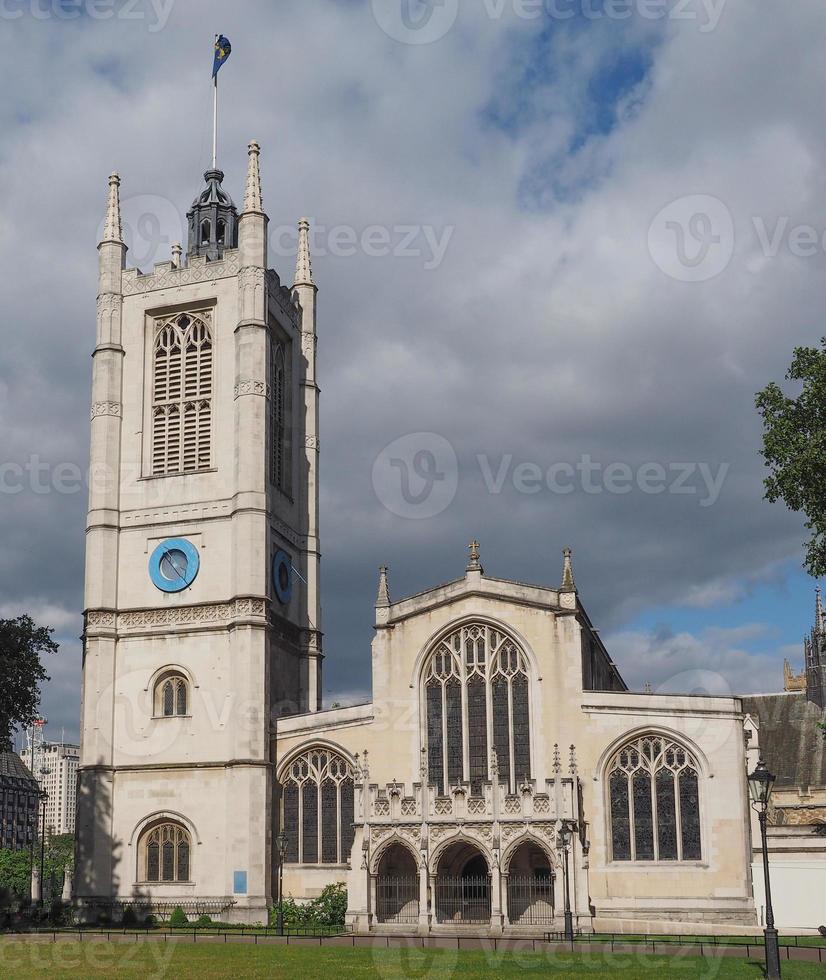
<point>248,386</point>
<point>106,408</point>
<point>218,612</point>
<point>132,283</point>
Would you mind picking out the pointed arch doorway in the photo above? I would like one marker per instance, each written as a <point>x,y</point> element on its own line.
<point>463,886</point>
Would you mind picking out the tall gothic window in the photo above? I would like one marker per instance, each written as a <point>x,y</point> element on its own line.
<point>164,853</point>
<point>476,696</point>
<point>654,802</point>
<point>182,394</point>
<point>171,696</point>
<point>318,795</point>
<point>278,420</point>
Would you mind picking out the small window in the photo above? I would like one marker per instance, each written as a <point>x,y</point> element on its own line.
<point>222,227</point>
<point>171,696</point>
<point>164,854</point>
<point>206,232</point>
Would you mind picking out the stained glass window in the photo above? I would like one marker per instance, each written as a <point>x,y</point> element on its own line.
<point>171,695</point>
<point>654,802</point>
<point>165,853</point>
<point>493,670</point>
<point>319,798</point>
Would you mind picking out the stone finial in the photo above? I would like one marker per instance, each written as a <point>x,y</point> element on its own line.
<point>494,765</point>
<point>557,764</point>
<point>572,767</point>
<point>423,774</point>
<point>303,261</point>
<point>253,201</point>
<point>474,565</point>
<point>383,598</point>
<point>568,584</point>
<point>113,231</point>
<point>177,251</point>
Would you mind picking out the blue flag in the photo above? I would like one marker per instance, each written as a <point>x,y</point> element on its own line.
<point>222,52</point>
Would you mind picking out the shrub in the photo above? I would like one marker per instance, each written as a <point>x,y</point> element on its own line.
<point>150,921</point>
<point>178,918</point>
<point>328,909</point>
<point>204,920</point>
<point>129,919</point>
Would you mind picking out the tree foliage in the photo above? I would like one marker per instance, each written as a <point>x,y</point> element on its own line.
<point>21,645</point>
<point>15,875</point>
<point>328,909</point>
<point>794,447</point>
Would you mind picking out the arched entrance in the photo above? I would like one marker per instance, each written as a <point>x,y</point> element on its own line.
<point>530,887</point>
<point>463,886</point>
<point>397,887</point>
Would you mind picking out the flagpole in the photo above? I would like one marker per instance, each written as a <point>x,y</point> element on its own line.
<point>215,122</point>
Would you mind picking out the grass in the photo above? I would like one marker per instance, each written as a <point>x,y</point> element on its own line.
<point>208,961</point>
<point>718,940</point>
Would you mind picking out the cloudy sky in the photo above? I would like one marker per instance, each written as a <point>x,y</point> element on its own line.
<point>559,247</point>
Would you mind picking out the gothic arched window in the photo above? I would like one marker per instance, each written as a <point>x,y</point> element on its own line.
<point>278,415</point>
<point>171,696</point>
<point>164,852</point>
<point>476,698</point>
<point>654,791</point>
<point>182,395</point>
<point>318,795</point>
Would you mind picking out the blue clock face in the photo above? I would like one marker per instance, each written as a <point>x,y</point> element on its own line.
<point>282,576</point>
<point>174,565</point>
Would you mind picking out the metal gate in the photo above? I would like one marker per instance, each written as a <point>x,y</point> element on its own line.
<point>397,899</point>
<point>530,900</point>
<point>463,900</point>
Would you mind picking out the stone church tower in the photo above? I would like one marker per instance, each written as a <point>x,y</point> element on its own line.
<point>202,611</point>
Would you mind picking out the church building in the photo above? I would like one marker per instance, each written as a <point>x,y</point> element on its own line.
<point>502,773</point>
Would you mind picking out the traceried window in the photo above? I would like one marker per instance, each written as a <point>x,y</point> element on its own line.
<point>318,794</point>
<point>278,416</point>
<point>164,853</point>
<point>654,802</point>
<point>171,696</point>
<point>182,394</point>
<point>476,698</point>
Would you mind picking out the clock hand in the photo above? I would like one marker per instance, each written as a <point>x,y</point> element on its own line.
<point>168,555</point>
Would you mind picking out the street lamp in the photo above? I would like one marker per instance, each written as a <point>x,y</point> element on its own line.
<point>281,845</point>
<point>565,837</point>
<point>760,789</point>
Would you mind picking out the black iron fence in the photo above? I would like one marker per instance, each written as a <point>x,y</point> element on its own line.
<point>530,900</point>
<point>397,899</point>
<point>463,900</point>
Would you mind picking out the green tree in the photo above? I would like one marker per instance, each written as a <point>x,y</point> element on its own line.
<point>794,447</point>
<point>21,646</point>
<point>15,875</point>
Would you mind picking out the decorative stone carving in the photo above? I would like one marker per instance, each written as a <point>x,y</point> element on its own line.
<point>408,808</point>
<point>106,408</point>
<point>192,615</point>
<point>444,807</point>
<point>100,619</point>
<point>133,283</point>
<point>248,386</point>
<point>311,442</point>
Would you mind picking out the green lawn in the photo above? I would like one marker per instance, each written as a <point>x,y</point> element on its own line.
<point>179,961</point>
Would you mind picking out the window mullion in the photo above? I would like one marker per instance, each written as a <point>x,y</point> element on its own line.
<point>655,825</point>
<point>319,853</point>
<point>678,829</point>
<point>463,679</point>
<point>511,749</point>
<point>445,776</point>
<point>631,819</point>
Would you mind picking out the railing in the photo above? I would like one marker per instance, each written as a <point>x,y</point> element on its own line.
<point>463,901</point>
<point>530,900</point>
<point>397,899</point>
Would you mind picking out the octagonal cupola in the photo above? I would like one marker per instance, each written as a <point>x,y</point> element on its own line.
<point>213,219</point>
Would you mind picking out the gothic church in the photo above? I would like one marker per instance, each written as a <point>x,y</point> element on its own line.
<point>502,773</point>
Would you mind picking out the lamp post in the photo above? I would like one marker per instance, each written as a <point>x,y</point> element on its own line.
<point>565,837</point>
<point>760,789</point>
<point>281,844</point>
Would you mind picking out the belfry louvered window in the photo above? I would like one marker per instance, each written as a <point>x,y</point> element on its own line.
<point>182,394</point>
<point>278,420</point>
<point>476,699</point>
<point>319,799</point>
<point>653,787</point>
